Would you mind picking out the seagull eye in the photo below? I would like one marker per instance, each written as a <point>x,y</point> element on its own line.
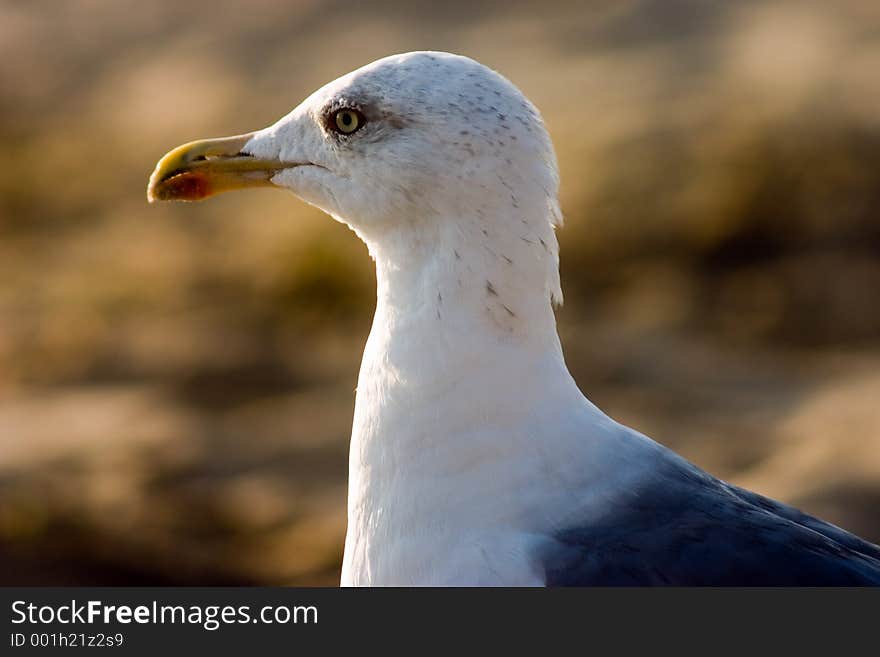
<point>347,121</point>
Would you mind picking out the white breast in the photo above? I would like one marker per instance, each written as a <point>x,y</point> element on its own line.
<point>463,462</point>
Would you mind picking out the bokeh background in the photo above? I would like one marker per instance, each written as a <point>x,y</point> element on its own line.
<point>177,381</point>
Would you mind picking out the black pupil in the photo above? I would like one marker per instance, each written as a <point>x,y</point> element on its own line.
<point>346,118</point>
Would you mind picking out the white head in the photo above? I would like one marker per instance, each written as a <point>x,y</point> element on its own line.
<point>431,158</point>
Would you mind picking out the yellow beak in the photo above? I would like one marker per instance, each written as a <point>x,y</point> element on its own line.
<point>200,169</point>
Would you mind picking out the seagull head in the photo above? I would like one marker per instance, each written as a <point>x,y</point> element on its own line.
<point>422,148</point>
<point>423,136</point>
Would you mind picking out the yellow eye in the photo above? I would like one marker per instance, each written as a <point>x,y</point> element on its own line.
<point>347,121</point>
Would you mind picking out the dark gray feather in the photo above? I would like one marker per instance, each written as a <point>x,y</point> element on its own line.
<point>683,527</point>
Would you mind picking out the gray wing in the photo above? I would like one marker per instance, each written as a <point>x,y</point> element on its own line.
<point>686,528</point>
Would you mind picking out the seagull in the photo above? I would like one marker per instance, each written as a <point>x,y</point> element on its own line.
<point>475,459</point>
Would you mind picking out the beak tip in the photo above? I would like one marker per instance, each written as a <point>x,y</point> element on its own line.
<point>155,182</point>
<point>199,169</point>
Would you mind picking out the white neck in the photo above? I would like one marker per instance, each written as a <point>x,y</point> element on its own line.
<point>450,295</point>
<point>462,337</point>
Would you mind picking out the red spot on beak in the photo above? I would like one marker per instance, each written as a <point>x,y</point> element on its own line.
<point>188,186</point>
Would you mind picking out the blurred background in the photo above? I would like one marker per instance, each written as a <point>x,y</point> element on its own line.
<point>177,381</point>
